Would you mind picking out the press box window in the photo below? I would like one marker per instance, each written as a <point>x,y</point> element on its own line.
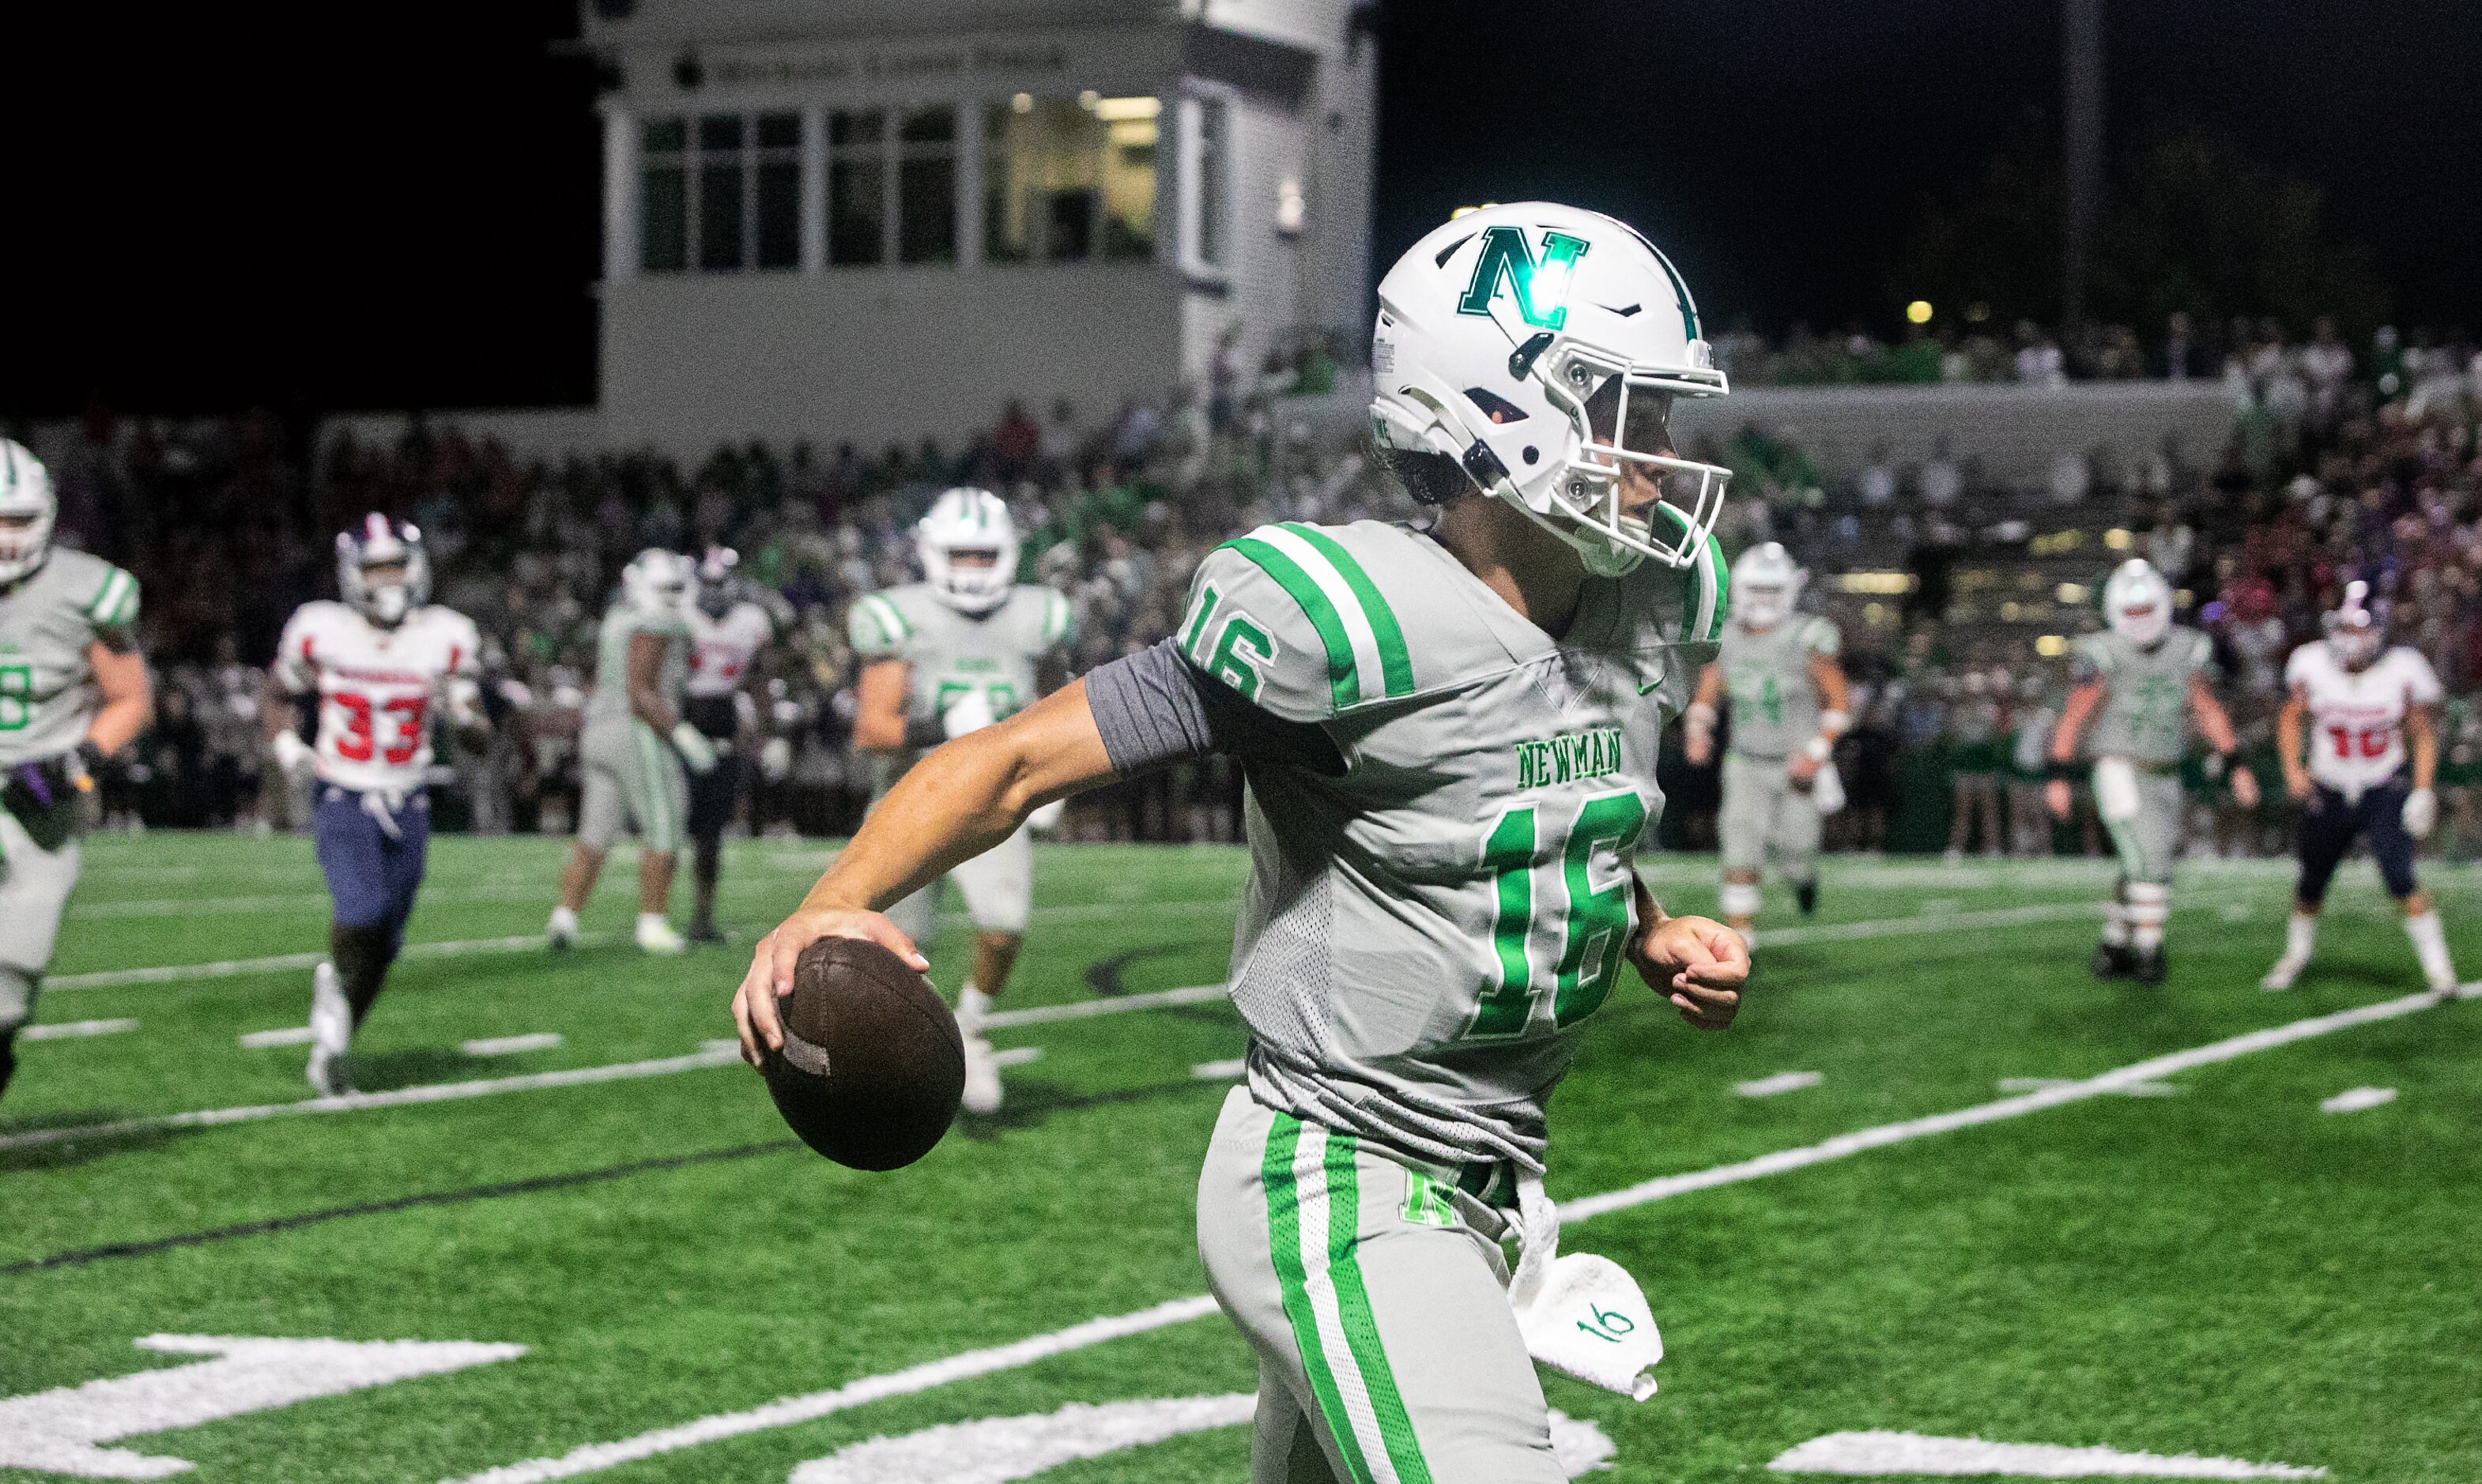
<point>663,196</point>
<point>926,186</point>
<point>725,193</point>
<point>857,186</point>
<point>1067,179</point>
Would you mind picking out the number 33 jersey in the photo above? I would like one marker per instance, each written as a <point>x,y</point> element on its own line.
<point>2357,717</point>
<point>376,687</point>
<point>1425,930</point>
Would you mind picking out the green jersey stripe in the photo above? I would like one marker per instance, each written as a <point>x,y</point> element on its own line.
<point>123,611</point>
<point>891,619</point>
<point>1284,1249</point>
<point>1395,660</point>
<point>1343,684</point>
<point>108,597</point>
<point>1361,1326</point>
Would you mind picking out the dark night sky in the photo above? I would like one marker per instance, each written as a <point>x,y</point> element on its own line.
<point>340,207</point>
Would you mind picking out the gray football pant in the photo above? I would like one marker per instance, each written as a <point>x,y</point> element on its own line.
<point>1763,815</point>
<point>2146,845</point>
<point>35,885</point>
<point>997,885</point>
<point>632,776</point>
<point>1375,1295</point>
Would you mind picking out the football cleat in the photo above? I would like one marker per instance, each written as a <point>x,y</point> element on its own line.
<point>704,931</point>
<point>2441,983</point>
<point>2286,970</point>
<point>656,936</point>
<point>561,932</point>
<point>2148,971</point>
<point>982,1078</point>
<point>1805,895</point>
<point>2111,961</point>
<point>326,1074</point>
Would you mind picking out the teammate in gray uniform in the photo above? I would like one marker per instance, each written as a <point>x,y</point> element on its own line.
<point>1450,738</point>
<point>2137,683</point>
<point>1778,669</point>
<point>634,744</point>
<point>73,690</point>
<point>952,654</point>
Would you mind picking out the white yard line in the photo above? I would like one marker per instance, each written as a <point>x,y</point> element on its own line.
<point>2357,1099</point>
<point>1087,1009</point>
<point>75,1029</point>
<point>595,1458</point>
<point>357,1102</point>
<point>282,1035</point>
<point>511,1044</point>
<point>1780,1083</point>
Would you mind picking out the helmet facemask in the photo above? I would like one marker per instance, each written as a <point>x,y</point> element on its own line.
<point>396,554</point>
<point>1620,421</point>
<point>969,548</point>
<point>2354,631</point>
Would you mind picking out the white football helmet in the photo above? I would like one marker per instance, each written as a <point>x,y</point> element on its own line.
<point>378,541</point>
<point>2355,632</point>
<point>718,589</point>
<point>964,520</point>
<point>655,582</point>
<point>1539,348</point>
<point>1767,583</point>
<point>2137,603</point>
<point>27,509</point>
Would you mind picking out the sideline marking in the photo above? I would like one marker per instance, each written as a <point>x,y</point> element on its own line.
<point>1781,1083</point>
<point>73,1029</point>
<point>511,1044</point>
<point>1231,1071</point>
<point>56,1431</point>
<point>2354,1100</point>
<point>402,1097</point>
<point>595,1458</point>
<point>282,1035</point>
<point>2133,1090</point>
<point>1874,1454</point>
<point>1087,1009</point>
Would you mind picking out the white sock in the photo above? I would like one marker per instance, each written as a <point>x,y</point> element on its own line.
<point>2430,946</point>
<point>2115,924</point>
<point>652,920</point>
<point>562,919</point>
<point>2148,903</point>
<point>2301,936</point>
<point>972,1005</point>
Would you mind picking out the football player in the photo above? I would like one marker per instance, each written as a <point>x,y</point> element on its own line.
<point>2138,684</point>
<point>1450,735</point>
<point>952,654</point>
<point>634,746</point>
<point>728,627</point>
<point>73,691</point>
<point>378,666</point>
<point>1778,667</point>
<point>2366,712</point>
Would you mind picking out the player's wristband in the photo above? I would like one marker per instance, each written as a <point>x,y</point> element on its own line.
<point>1832,724</point>
<point>1819,748</point>
<point>1701,716</point>
<point>924,732</point>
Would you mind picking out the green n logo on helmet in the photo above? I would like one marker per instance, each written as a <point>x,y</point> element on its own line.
<point>1539,287</point>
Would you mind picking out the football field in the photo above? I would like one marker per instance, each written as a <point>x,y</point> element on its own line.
<point>1936,1182</point>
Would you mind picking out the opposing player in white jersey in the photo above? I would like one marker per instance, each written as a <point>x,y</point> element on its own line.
<point>1450,733</point>
<point>965,647</point>
<point>381,664</point>
<point>636,750</point>
<point>2367,714</point>
<point>73,690</point>
<point>1778,670</point>
<point>728,627</point>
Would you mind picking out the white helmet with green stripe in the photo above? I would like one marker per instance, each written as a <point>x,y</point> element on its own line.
<point>1767,583</point>
<point>27,509</point>
<point>1538,348</point>
<point>972,524</point>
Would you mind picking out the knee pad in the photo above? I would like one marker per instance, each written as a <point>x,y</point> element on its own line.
<point>1741,899</point>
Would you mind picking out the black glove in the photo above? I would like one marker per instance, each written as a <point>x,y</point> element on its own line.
<point>43,795</point>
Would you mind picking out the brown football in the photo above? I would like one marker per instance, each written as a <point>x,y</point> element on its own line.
<point>873,1066</point>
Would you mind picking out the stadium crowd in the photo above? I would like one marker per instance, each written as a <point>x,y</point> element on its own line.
<point>2336,467</point>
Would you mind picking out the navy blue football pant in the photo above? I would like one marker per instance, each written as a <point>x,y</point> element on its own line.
<point>2330,823</point>
<point>373,869</point>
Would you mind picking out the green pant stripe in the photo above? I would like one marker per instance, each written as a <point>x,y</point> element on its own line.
<point>1360,1325</point>
<point>1343,684</point>
<point>1395,660</point>
<point>1284,1249</point>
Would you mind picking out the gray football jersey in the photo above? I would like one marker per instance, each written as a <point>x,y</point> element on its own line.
<point>947,652</point>
<point>1766,678</point>
<point>47,691</point>
<point>2145,711</point>
<point>1423,934</point>
<point>609,705</point>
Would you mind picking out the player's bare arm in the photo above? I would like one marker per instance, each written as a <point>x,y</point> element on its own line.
<point>646,682</point>
<point>2421,740</point>
<point>2288,724</point>
<point>128,695</point>
<point>2083,698</point>
<point>2215,724</point>
<point>878,706</point>
<point>1827,683</point>
<point>1702,715</point>
<point>963,799</point>
<point>1696,962</point>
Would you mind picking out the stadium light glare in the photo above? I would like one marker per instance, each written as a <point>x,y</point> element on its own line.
<point>2073,593</point>
<point>2118,540</point>
<point>1022,103</point>
<point>2051,646</point>
<point>1918,311</point>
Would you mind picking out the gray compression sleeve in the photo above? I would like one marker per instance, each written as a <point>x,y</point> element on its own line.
<point>1154,707</point>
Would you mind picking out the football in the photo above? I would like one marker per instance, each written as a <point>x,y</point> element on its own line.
<point>873,1067</point>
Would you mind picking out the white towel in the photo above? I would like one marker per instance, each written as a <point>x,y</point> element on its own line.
<point>1582,1315</point>
<point>1827,790</point>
